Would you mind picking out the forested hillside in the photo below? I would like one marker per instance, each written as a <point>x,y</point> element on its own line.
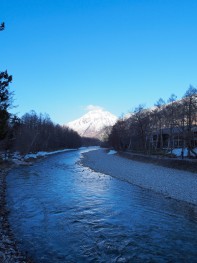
<point>164,127</point>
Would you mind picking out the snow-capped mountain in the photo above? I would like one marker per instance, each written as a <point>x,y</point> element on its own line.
<point>93,122</point>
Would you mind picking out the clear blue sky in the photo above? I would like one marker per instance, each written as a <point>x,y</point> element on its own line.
<point>67,54</point>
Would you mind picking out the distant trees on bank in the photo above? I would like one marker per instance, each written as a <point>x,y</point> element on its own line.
<point>167,125</point>
<point>33,133</point>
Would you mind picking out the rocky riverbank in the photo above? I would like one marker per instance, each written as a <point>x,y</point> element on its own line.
<point>9,252</point>
<point>177,184</point>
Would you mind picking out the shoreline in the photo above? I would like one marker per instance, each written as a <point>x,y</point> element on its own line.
<point>172,183</point>
<point>9,251</point>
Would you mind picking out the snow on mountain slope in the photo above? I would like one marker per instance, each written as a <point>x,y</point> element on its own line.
<point>93,122</point>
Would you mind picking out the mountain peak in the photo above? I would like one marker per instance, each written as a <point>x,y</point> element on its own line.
<point>93,122</point>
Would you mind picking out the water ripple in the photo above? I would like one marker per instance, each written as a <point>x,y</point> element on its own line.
<point>61,212</point>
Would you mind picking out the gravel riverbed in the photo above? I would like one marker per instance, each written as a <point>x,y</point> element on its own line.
<point>177,184</point>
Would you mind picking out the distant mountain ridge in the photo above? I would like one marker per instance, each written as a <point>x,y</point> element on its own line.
<point>93,122</point>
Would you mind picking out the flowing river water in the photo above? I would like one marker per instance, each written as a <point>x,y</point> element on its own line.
<point>63,212</point>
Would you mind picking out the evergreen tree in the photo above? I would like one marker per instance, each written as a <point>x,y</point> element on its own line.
<point>5,98</point>
<point>2,26</point>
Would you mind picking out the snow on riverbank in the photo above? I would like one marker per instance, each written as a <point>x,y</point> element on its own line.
<point>17,158</point>
<point>178,152</point>
<point>173,183</point>
<point>112,152</point>
<point>43,154</point>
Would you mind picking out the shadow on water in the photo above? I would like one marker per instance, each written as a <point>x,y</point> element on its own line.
<point>62,212</point>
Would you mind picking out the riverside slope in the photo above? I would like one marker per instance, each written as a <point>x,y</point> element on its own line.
<point>180,185</point>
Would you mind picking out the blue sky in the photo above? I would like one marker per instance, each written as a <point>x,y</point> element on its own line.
<point>117,54</point>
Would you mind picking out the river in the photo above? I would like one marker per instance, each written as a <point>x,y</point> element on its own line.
<point>63,212</point>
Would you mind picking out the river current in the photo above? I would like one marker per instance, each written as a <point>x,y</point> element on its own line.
<point>63,212</point>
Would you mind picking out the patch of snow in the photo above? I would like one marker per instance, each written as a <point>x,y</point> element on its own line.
<point>112,152</point>
<point>42,154</point>
<point>17,158</point>
<point>195,150</point>
<point>178,151</point>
